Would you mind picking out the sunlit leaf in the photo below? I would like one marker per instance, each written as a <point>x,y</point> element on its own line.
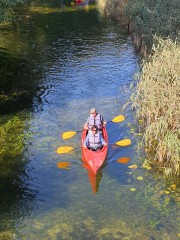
<point>64,165</point>
<point>148,167</point>
<point>132,130</point>
<point>140,178</point>
<point>134,166</point>
<point>167,192</point>
<point>173,186</point>
<point>133,189</point>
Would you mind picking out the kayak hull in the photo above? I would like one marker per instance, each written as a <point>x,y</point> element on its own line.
<point>94,159</point>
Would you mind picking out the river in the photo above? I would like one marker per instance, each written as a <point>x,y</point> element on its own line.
<point>83,60</point>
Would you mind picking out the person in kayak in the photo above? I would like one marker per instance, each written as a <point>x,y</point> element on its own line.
<point>94,119</point>
<point>94,140</point>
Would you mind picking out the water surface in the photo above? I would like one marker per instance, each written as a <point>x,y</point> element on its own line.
<point>83,60</point>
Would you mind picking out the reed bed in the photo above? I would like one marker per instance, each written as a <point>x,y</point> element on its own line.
<point>155,27</point>
<point>157,103</point>
<point>157,98</point>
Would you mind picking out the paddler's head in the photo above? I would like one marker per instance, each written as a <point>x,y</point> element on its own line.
<point>93,112</point>
<point>94,129</point>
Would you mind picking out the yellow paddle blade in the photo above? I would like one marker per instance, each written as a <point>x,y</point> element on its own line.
<point>65,149</point>
<point>69,134</point>
<point>119,118</point>
<point>124,142</point>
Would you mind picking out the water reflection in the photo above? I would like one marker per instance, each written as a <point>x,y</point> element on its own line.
<point>16,194</point>
<point>123,160</point>
<point>64,165</point>
<point>94,179</point>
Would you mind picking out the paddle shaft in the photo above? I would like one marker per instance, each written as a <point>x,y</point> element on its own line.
<point>121,143</point>
<point>70,134</point>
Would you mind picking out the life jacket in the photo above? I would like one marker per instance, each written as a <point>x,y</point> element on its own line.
<point>95,121</point>
<point>94,140</point>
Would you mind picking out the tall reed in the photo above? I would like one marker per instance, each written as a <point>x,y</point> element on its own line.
<point>157,103</point>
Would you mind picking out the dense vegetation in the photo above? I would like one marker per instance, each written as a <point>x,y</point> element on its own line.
<point>157,96</point>
<point>155,29</point>
<point>156,101</point>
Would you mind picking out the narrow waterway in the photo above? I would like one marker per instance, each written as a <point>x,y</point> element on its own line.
<point>83,61</point>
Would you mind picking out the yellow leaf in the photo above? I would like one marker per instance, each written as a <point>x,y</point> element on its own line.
<point>139,134</point>
<point>178,234</point>
<point>134,166</point>
<point>167,192</point>
<point>140,178</point>
<point>148,167</point>
<point>173,186</point>
<point>133,189</point>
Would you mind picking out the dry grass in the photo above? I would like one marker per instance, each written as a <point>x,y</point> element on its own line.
<point>157,102</point>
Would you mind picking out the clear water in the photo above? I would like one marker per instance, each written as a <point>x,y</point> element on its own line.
<point>84,61</point>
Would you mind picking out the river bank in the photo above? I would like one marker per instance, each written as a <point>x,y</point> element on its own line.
<point>155,32</point>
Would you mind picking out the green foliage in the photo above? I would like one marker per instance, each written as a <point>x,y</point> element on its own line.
<point>11,3</point>
<point>160,17</point>
<point>6,235</point>
<point>11,143</point>
<point>7,8</point>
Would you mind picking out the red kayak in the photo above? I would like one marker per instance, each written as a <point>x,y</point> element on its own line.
<point>94,159</point>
